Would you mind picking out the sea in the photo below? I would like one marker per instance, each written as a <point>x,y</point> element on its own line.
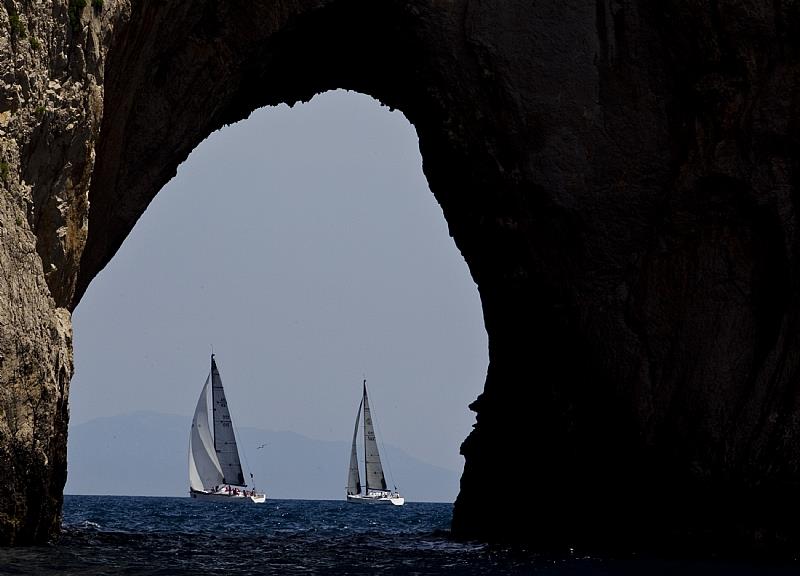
<point>117,535</point>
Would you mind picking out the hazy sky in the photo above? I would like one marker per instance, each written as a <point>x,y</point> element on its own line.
<point>303,244</point>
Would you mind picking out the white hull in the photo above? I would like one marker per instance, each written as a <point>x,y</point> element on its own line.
<point>228,497</point>
<point>373,498</point>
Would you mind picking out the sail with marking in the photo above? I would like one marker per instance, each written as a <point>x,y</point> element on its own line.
<point>204,468</point>
<point>224,438</point>
<point>353,477</point>
<point>373,472</point>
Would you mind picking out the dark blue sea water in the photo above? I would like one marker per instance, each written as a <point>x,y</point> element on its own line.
<point>110,535</point>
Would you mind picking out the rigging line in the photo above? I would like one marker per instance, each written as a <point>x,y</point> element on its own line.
<point>244,455</point>
<point>383,448</point>
<point>242,452</point>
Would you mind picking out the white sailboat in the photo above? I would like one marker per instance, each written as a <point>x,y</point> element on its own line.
<point>375,491</point>
<point>215,471</point>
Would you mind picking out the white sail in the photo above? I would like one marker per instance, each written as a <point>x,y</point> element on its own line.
<point>224,438</point>
<point>373,472</point>
<point>204,469</point>
<point>353,477</point>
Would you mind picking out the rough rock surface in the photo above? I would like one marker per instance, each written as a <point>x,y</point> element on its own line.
<point>620,177</point>
<point>51,66</point>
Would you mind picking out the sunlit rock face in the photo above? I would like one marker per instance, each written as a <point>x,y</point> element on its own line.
<point>51,96</point>
<point>619,176</point>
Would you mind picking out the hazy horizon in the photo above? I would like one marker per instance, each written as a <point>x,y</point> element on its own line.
<point>144,453</point>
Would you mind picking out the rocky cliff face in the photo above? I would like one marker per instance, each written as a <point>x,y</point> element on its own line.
<point>51,71</point>
<point>620,177</point>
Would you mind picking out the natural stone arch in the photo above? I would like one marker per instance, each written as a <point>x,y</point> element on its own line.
<point>620,178</point>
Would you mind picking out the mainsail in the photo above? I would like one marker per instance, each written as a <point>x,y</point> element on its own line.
<point>204,469</point>
<point>224,438</point>
<point>353,477</point>
<point>372,460</point>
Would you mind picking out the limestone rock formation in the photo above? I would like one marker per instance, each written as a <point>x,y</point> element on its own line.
<point>51,67</point>
<point>620,176</point>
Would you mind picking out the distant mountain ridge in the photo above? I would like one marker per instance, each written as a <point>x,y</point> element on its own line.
<point>145,454</point>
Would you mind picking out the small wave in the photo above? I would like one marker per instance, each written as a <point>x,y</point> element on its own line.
<point>291,538</point>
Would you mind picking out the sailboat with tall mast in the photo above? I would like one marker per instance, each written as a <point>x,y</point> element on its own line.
<point>215,470</point>
<point>375,491</point>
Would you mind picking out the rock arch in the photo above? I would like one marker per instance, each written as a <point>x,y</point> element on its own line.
<point>619,177</point>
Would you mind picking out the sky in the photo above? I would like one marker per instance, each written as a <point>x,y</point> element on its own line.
<point>304,246</point>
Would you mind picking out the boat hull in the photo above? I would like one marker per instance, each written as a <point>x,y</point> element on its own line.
<point>394,499</point>
<point>228,497</point>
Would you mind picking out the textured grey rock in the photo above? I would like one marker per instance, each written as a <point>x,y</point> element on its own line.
<point>50,110</point>
<point>620,177</point>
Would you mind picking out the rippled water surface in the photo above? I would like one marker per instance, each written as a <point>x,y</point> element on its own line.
<point>132,535</point>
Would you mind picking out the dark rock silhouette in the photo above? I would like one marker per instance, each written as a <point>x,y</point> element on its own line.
<point>620,177</point>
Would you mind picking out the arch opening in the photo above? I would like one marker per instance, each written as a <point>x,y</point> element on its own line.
<point>304,245</point>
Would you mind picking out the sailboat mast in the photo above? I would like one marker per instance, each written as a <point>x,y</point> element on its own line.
<point>366,471</point>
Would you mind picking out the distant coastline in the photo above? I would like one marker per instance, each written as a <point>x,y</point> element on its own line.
<point>144,454</point>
